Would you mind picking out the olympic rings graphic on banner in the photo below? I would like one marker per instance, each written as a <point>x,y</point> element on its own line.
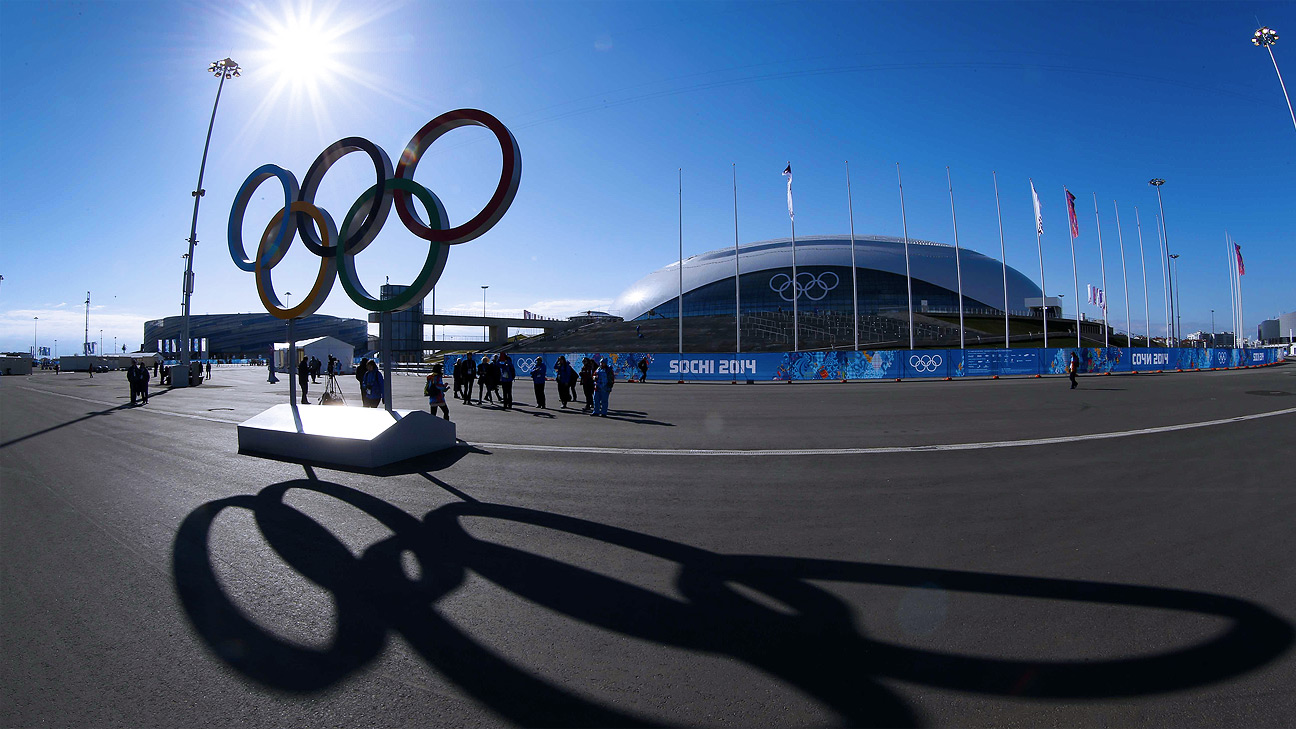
<point>524,364</point>
<point>925,362</point>
<point>360,226</point>
<point>819,282</point>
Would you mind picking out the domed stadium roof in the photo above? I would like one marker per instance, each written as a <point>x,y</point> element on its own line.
<point>983,277</point>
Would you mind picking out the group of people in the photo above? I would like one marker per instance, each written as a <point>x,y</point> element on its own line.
<point>138,377</point>
<point>494,377</point>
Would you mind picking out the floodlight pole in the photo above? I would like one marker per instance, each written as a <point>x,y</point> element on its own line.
<point>1266,37</point>
<point>1157,182</point>
<point>223,69</point>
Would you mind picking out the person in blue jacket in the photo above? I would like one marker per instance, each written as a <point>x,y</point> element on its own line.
<point>538,377</point>
<point>506,375</point>
<point>373,386</point>
<point>603,379</point>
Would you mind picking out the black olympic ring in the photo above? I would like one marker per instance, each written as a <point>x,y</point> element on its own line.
<point>812,644</point>
<point>804,288</point>
<point>367,216</point>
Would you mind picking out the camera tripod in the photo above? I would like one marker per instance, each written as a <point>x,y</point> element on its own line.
<point>332,392</point>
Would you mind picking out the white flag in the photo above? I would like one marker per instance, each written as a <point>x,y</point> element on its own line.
<point>1039,219</point>
<point>788,173</point>
<point>1092,300</point>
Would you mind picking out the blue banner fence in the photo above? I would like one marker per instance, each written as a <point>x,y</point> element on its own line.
<point>898,364</point>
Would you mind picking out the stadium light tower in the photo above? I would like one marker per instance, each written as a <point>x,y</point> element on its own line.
<point>1265,37</point>
<point>223,69</point>
<point>35,323</point>
<point>1157,182</point>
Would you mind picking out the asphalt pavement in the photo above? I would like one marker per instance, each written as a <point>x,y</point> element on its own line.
<point>966,553</point>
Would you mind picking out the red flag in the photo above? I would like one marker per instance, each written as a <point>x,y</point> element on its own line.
<point>1241,266</point>
<point>1075,226</point>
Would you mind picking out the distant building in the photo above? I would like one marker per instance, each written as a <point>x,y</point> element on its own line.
<point>1278,331</point>
<point>823,280</point>
<point>246,336</point>
<point>407,328</point>
<point>589,317</point>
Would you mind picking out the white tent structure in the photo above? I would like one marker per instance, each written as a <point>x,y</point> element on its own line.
<point>320,348</point>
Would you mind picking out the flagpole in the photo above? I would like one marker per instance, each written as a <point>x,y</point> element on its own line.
<point>1147,316</point>
<point>1103,264</point>
<point>1120,238</point>
<point>796,291</point>
<point>1075,278</point>
<point>1241,310</point>
<point>958,265</point>
<point>904,223</point>
<point>737,295</point>
<point>1228,253</point>
<point>850,206</point>
<point>1165,285</point>
<point>1040,247</point>
<point>1003,256</point>
<point>680,310</point>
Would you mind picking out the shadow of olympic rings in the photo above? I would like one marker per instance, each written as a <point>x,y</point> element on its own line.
<point>815,646</point>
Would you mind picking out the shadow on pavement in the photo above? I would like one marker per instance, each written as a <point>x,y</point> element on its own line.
<point>812,644</point>
<point>87,416</point>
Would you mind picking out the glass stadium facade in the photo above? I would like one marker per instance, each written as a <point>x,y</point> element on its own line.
<point>248,336</point>
<point>824,280</point>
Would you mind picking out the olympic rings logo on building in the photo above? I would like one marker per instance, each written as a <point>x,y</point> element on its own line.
<point>336,247</point>
<point>781,283</point>
<point>925,362</point>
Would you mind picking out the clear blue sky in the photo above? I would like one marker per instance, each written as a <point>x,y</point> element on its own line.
<point>104,107</point>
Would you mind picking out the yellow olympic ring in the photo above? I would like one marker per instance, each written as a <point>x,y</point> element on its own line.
<point>264,263</point>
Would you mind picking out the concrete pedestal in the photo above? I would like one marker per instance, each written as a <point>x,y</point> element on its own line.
<point>344,436</point>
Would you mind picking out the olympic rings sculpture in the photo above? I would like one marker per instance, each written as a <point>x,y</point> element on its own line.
<point>337,247</point>
<point>925,362</point>
<point>799,289</point>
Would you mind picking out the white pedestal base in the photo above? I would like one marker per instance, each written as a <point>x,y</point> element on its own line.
<point>345,436</point>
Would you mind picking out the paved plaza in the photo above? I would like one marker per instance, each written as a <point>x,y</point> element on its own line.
<point>967,553</point>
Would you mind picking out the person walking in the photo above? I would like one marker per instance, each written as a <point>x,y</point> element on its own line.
<point>315,369</point>
<point>435,389</point>
<point>643,369</point>
<point>373,392</point>
<point>303,377</point>
<point>587,382</point>
<point>469,374</point>
<point>209,370</point>
<point>506,376</point>
<point>1073,368</point>
<point>565,376</point>
<point>487,378</point>
<point>270,365</point>
<point>602,386</point>
<point>538,374</point>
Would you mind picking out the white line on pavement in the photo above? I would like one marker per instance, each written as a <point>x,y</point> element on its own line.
<point>603,450</point>
<point>878,451</point>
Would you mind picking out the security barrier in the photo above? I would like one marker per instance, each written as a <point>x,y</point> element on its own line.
<point>899,363</point>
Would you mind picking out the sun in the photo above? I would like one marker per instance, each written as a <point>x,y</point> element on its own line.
<point>302,50</point>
